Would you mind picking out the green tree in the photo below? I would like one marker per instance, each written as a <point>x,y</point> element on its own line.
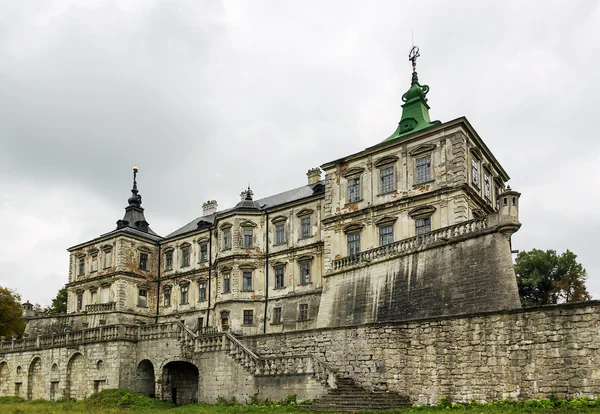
<point>11,313</point>
<point>546,278</point>
<point>59,303</point>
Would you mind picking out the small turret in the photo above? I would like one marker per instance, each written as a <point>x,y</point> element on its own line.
<point>508,213</point>
<point>28,311</point>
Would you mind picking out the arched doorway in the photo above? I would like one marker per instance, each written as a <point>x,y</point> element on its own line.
<point>144,378</point>
<point>4,379</point>
<point>76,386</point>
<point>180,382</point>
<point>35,380</point>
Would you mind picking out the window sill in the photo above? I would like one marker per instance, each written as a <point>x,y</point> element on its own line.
<point>305,284</point>
<point>279,288</point>
<point>184,266</point>
<point>168,269</point>
<point>276,323</point>
<point>202,300</point>
<point>247,291</point>
<point>304,320</point>
<point>423,183</point>
<point>476,186</point>
<point>280,244</point>
<point>305,237</point>
<point>249,325</point>
<point>349,203</point>
<point>387,193</point>
<point>184,303</point>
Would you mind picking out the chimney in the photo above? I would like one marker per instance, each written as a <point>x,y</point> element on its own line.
<point>314,175</point>
<point>210,207</point>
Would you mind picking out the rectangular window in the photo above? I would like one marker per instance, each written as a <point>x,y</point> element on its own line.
<point>487,190</point>
<point>247,281</point>
<point>305,227</point>
<point>279,283</point>
<point>303,312</point>
<point>143,261</point>
<point>423,226</point>
<point>279,234</point>
<point>353,189</point>
<point>386,178</point>
<point>185,257</point>
<point>305,273</point>
<point>475,171</point>
<point>227,239</point>
<point>81,266</point>
<point>169,261</point>
<point>107,259</point>
<point>203,253</point>
<point>167,298</point>
<point>276,315</point>
<point>386,235</point>
<point>94,266</point>
<point>200,324</point>
<point>248,239</point>
<point>423,169</point>
<point>79,302</point>
<point>202,289</point>
<point>497,194</point>
<point>353,244</point>
<point>184,295</point>
<point>248,317</point>
<point>142,298</point>
<point>226,283</point>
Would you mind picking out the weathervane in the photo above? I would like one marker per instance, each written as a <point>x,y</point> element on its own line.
<point>413,55</point>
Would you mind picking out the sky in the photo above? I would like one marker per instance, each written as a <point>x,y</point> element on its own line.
<point>206,97</point>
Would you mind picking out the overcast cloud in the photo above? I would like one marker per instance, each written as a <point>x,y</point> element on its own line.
<point>208,96</point>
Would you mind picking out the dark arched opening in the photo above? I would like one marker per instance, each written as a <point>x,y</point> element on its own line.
<point>35,380</point>
<point>76,384</point>
<point>180,382</point>
<point>4,379</point>
<point>144,378</point>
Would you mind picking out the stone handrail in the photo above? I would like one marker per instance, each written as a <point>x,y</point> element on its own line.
<point>101,333</point>
<point>412,243</point>
<point>101,307</point>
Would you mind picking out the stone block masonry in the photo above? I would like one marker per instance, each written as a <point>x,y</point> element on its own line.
<point>517,354</point>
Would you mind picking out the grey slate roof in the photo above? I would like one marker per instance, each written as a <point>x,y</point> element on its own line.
<point>265,203</point>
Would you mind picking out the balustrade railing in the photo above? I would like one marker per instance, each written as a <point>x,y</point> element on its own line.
<point>412,243</point>
<point>100,307</point>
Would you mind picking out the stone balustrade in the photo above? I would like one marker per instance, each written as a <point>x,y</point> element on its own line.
<point>412,243</point>
<point>101,307</point>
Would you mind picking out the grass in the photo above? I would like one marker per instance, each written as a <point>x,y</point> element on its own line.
<point>128,402</point>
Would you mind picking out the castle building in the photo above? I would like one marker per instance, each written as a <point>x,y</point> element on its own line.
<point>416,226</point>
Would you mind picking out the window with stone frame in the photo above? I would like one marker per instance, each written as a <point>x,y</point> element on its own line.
<point>143,298</point>
<point>143,261</point>
<point>386,179</point>
<point>353,243</point>
<point>423,169</point>
<point>248,317</point>
<point>280,233</point>
<point>353,189</point>
<point>303,312</point>
<point>279,277</point>
<point>247,281</point>
<point>80,266</point>
<point>487,189</point>
<point>94,263</point>
<point>79,302</point>
<point>386,235</point>
<point>184,294</point>
<point>305,230</point>
<point>497,195</point>
<point>227,239</point>
<point>248,235</point>
<point>226,282</point>
<point>304,273</point>
<point>169,260</point>
<point>423,226</point>
<point>475,171</point>
<point>202,291</point>
<point>203,253</point>
<point>277,315</point>
<point>167,297</point>
<point>107,255</point>
<point>185,257</point>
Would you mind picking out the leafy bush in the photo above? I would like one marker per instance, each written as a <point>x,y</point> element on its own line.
<point>11,400</point>
<point>117,398</point>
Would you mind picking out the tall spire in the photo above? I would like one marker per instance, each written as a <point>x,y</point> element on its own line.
<point>134,213</point>
<point>415,111</point>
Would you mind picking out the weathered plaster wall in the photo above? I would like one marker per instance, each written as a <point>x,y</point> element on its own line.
<point>473,275</point>
<point>520,354</point>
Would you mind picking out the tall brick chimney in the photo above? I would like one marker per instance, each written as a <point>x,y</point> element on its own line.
<point>210,207</point>
<point>314,175</point>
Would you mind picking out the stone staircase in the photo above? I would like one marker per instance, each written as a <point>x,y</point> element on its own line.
<point>349,397</point>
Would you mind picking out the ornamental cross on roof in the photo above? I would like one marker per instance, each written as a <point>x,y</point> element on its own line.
<point>413,55</point>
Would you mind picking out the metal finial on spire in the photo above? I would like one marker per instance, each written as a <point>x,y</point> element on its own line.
<point>413,55</point>
<point>135,171</point>
<point>135,199</point>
